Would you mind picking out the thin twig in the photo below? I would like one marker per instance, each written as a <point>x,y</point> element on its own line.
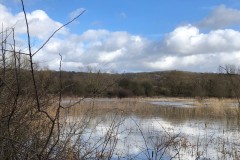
<point>18,52</point>
<point>31,58</point>
<point>57,31</point>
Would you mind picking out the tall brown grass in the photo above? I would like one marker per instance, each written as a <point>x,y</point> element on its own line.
<point>206,108</point>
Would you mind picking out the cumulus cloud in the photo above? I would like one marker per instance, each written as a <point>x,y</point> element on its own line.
<point>185,48</point>
<point>188,40</point>
<point>117,49</point>
<point>40,24</point>
<point>221,17</point>
<point>188,48</point>
<point>189,63</point>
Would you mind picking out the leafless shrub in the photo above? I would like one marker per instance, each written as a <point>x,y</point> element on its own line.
<point>30,125</point>
<point>37,125</point>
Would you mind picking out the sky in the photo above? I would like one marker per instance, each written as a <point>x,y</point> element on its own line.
<point>129,35</point>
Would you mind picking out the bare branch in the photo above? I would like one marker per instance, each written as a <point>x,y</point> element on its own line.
<point>57,31</point>
<point>18,52</point>
<point>30,56</point>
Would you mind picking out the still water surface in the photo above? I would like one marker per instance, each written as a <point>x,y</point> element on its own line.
<point>169,134</point>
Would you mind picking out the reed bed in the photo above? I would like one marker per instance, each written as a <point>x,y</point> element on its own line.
<point>205,108</point>
<point>213,109</point>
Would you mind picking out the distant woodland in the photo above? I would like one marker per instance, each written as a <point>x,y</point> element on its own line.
<point>149,84</point>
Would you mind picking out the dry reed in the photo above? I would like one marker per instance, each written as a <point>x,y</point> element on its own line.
<point>211,108</point>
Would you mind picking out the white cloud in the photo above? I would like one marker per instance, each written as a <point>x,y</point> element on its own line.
<point>5,16</point>
<point>40,24</point>
<point>96,47</point>
<point>111,56</point>
<point>163,63</point>
<point>185,48</point>
<point>221,17</point>
<point>176,62</point>
<point>92,35</point>
<point>187,40</point>
<point>230,58</point>
<point>76,12</point>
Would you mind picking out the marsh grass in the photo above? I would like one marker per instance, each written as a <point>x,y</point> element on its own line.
<point>217,108</point>
<point>206,108</point>
<point>99,109</point>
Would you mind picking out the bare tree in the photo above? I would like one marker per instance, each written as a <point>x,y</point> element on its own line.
<point>232,73</point>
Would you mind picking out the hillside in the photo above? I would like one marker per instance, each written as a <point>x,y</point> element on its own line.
<point>146,84</point>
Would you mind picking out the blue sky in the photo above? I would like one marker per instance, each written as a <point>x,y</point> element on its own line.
<point>132,35</point>
<point>146,18</point>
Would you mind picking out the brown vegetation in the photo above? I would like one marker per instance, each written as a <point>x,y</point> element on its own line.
<point>37,123</point>
<point>201,108</point>
<point>152,84</point>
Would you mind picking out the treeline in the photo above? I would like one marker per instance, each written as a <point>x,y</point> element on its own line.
<point>169,83</point>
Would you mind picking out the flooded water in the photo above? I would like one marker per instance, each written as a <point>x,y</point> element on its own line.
<point>173,103</point>
<point>171,133</point>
